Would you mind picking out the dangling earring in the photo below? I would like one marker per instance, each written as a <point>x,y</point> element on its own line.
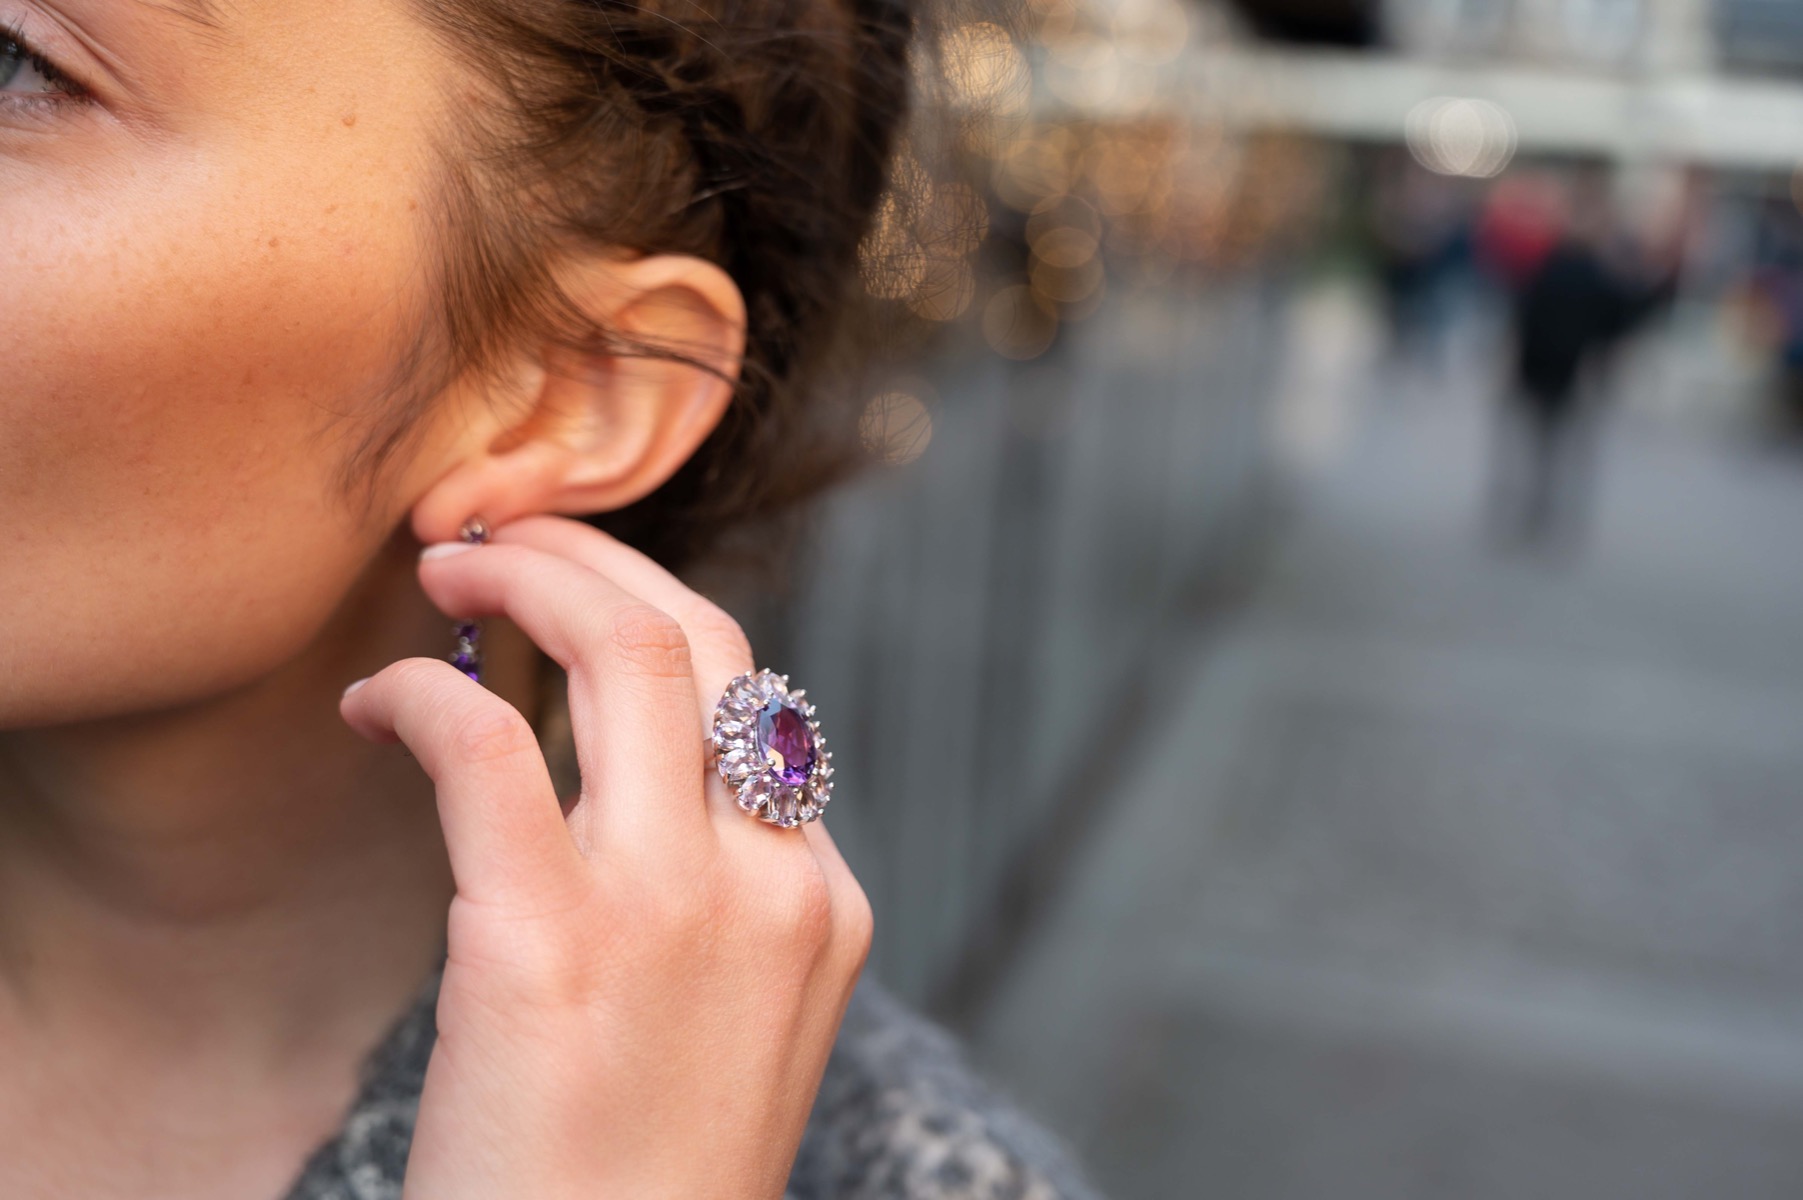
<point>467,657</point>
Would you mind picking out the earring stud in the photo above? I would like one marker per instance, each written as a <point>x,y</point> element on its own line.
<point>467,657</point>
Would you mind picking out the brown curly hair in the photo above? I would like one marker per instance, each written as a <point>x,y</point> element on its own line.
<point>754,133</point>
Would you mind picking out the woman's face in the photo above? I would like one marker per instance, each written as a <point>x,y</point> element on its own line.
<point>212,258</point>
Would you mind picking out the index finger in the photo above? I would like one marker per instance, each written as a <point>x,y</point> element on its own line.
<point>718,647</point>
<point>504,829</point>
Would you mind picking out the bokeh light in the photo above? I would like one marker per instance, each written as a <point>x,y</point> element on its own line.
<point>1151,32</point>
<point>984,68</point>
<point>896,426</point>
<point>1083,70</point>
<point>1018,323</point>
<point>945,291</point>
<point>1454,135</point>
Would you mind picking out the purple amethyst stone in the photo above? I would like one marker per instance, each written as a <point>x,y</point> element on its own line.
<point>785,742</point>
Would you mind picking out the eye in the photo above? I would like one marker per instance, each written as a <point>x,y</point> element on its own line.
<point>25,74</point>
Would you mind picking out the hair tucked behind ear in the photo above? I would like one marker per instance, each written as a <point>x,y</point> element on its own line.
<point>754,133</point>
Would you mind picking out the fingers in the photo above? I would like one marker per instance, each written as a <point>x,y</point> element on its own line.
<point>716,642</point>
<point>632,688</point>
<point>503,828</point>
<point>717,645</point>
<point>853,920</point>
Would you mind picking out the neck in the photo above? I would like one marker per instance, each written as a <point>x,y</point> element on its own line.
<point>241,876</point>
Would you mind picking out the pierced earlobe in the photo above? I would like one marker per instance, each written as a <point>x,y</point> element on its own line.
<point>467,657</point>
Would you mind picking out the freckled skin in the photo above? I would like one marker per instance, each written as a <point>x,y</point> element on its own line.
<point>214,903</point>
<point>205,274</point>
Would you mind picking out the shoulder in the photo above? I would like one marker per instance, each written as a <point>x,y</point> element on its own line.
<point>902,1116</point>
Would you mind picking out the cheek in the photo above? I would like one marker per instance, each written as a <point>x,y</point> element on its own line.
<point>184,359</point>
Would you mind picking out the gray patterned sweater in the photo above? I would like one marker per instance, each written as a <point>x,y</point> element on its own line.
<point>899,1116</point>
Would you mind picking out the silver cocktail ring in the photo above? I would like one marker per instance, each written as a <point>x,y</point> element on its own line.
<point>767,747</point>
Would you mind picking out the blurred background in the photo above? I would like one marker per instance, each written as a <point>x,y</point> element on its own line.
<point>1316,667</point>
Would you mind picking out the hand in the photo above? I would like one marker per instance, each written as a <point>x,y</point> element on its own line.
<point>638,1000</point>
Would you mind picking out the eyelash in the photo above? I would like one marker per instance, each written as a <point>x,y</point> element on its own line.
<point>64,89</point>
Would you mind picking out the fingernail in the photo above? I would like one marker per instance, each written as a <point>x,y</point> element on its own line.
<point>446,549</point>
<point>355,686</point>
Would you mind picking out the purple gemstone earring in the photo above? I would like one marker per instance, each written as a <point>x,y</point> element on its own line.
<point>467,657</point>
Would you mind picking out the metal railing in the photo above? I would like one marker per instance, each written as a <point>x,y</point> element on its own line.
<point>970,624</point>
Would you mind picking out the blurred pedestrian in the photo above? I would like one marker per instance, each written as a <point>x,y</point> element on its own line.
<point>1572,305</point>
<point>1417,225</point>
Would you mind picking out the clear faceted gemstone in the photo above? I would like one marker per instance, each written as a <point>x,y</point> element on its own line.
<point>784,805</point>
<point>751,691</point>
<point>739,762</point>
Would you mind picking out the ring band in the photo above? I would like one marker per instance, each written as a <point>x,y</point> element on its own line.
<point>768,748</point>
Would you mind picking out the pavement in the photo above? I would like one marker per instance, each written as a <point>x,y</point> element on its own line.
<point>1451,867</point>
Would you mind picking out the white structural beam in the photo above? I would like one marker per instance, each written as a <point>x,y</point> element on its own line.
<point>1681,117</point>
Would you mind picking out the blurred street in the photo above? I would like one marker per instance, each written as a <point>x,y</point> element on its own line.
<point>1320,657</point>
<point>1447,866</point>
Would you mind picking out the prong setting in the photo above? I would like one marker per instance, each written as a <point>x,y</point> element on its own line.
<point>768,747</point>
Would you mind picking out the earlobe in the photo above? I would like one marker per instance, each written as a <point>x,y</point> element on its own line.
<point>604,430</point>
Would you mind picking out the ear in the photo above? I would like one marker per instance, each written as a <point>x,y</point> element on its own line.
<point>588,433</point>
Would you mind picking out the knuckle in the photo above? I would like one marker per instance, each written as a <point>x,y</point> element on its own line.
<point>679,912</point>
<point>694,910</point>
<point>491,735</point>
<point>804,909</point>
<point>412,673</point>
<point>539,961</point>
<point>562,961</point>
<point>650,640</point>
<point>714,626</point>
<point>856,923</point>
